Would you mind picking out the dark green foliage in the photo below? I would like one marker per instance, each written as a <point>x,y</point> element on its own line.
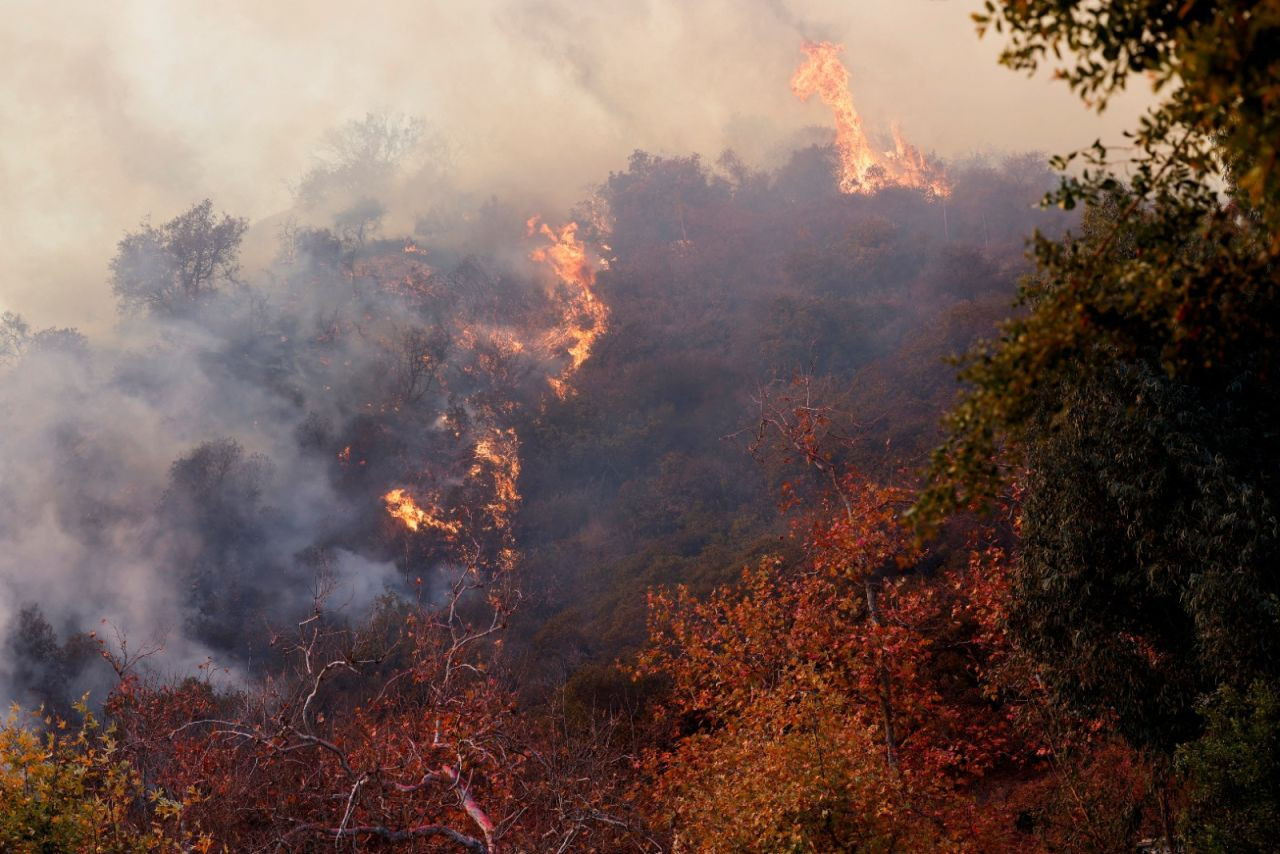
<point>1144,578</point>
<point>1234,773</point>
<point>1217,62</point>
<point>1168,270</point>
<point>1138,385</point>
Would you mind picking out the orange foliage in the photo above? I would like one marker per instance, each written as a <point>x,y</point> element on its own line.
<point>811,722</point>
<point>416,754</point>
<point>856,702</point>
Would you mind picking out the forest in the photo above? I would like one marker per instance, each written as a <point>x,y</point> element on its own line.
<point>870,502</point>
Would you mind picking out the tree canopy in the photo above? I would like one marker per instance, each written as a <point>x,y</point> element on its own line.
<point>1131,402</point>
<point>168,268</point>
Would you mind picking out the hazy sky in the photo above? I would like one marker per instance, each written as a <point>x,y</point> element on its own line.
<point>111,112</point>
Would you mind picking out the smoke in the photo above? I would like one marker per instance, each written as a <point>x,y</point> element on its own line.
<point>118,111</point>
<point>199,476</point>
<point>100,520</point>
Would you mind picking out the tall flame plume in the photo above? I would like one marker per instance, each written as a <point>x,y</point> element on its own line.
<point>586,317</point>
<point>863,168</point>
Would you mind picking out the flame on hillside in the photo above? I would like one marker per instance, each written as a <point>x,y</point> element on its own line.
<point>863,169</point>
<point>495,468</point>
<point>585,316</point>
<point>401,505</point>
<point>497,454</point>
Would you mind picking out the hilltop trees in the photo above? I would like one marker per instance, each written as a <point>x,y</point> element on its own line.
<point>15,332</point>
<point>361,157</point>
<point>165,270</point>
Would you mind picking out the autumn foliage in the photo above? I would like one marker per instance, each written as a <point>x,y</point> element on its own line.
<point>868,699</point>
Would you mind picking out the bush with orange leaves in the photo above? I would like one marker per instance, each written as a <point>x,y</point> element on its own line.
<point>862,701</point>
<point>398,736</point>
<point>394,733</point>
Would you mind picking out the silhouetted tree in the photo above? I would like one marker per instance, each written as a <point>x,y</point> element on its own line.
<point>359,156</point>
<point>15,332</point>
<point>166,269</point>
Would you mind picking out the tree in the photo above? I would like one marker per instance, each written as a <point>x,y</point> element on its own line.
<point>1169,274</point>
<point>66,789</point>
<point>361,156</point>
<point>1138,383</point>
<point>17,339</point>
<point>1235,772</point>
<point>216,497</point>
<point>42,665</point>
<point>416,359</point>
<point>15,334</point>
<point>166,270</point>
<point>816,707</point>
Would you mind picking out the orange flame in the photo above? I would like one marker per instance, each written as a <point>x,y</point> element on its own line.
<point>401,505</point>
<point>498,453</point>
<point>863,169</point>
<point>585,316</point>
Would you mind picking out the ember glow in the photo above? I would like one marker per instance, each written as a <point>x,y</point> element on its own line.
<point>585,315</point>
<point>863,168</point>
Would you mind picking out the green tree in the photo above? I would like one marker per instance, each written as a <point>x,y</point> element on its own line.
<point>1137,386</point>
<point>69,789</point>
<point>1235,773</point>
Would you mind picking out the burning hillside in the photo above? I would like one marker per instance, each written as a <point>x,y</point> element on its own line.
<point>362,378</point>
<point>410,483</point>
<point>576,460</point>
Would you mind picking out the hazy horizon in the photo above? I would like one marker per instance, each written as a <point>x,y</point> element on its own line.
<point>119,113</point>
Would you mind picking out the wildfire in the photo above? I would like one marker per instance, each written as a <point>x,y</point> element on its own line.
<point>401,505</point>
<point>863,169</point>
<point>498,453</point>
<point>585,315</point>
